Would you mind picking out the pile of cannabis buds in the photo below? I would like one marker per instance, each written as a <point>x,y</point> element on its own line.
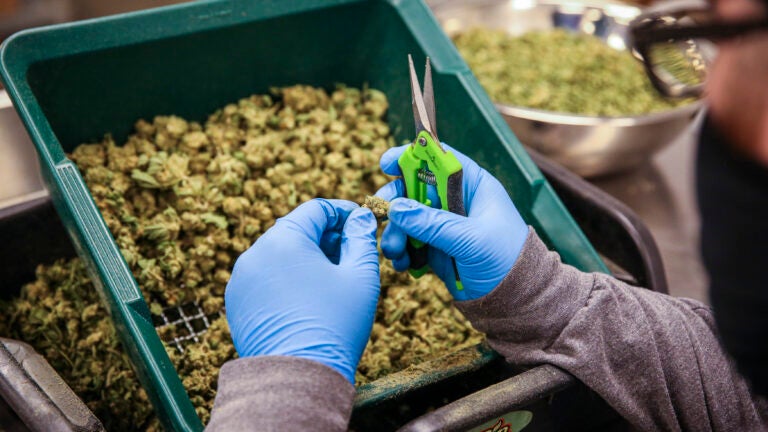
<point>557,70</point>
<point>183,200</point>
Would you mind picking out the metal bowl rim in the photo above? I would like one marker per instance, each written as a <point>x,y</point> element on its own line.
<point>593,4</point>
<point>587,120</point>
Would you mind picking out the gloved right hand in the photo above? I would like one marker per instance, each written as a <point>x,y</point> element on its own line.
<point>485,243</point>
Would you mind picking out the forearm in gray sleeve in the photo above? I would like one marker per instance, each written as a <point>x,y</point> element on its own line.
<point>654,358</point>
<point>277,393</point>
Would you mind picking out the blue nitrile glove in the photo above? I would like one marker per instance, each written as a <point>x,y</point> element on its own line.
<point>308,287</point>
<point>485,243</point>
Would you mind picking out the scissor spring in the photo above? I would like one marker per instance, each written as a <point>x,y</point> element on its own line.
<point>427,177</point>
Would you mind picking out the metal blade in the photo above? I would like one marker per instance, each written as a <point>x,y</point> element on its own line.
<point>429,99</point>
<point>420,117</point>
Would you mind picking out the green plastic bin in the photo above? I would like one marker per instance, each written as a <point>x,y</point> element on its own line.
<point>73,83</point>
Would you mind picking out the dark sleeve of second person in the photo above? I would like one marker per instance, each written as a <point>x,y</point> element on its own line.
<point>733,201</point>
<point>654,358</point>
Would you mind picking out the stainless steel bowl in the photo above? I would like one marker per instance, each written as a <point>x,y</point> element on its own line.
<point>588,145</point>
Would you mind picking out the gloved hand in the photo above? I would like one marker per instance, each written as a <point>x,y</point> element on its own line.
<point>485,243</point>
<point>308,287</point>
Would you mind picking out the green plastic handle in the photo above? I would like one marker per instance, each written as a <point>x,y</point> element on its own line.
<point>426,154</point>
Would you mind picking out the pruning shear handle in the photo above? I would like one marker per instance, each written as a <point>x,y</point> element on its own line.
<point>426,163</point>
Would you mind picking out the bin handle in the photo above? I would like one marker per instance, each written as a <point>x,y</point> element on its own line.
<point>496,400</point>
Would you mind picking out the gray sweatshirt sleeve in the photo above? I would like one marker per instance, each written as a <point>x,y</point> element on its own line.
<point>654,358</point>
<point>277,393</point>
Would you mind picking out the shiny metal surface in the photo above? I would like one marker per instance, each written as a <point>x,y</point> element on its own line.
<point>20,178</point>
<point>590,146</point>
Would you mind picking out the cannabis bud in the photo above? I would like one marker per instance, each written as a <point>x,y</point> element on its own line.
<point>378,206</point>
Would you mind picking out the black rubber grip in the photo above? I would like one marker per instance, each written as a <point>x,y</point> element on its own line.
<point>456,193</point>
<point>456,205</point>
<point>419,258</point>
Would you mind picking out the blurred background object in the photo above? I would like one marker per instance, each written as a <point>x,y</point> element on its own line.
<point>82,9</point>
<point>19,14</point>
<point>19,170</point>
<point>16,15</point>
<point>591,142</point>
<point>20,178</point>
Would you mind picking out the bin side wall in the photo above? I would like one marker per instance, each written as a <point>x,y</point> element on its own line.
<point>85,96</point>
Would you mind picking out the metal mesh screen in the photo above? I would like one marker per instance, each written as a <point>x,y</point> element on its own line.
<point>183,325</point>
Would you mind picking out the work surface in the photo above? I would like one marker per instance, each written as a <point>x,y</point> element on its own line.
<point>662,193</point>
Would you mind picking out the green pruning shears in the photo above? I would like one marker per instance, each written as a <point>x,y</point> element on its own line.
<point>424,163</point>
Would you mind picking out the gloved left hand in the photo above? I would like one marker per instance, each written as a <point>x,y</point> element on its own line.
<point>308,287</point>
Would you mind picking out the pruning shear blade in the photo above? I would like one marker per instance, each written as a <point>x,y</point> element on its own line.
<point>423,103</point>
